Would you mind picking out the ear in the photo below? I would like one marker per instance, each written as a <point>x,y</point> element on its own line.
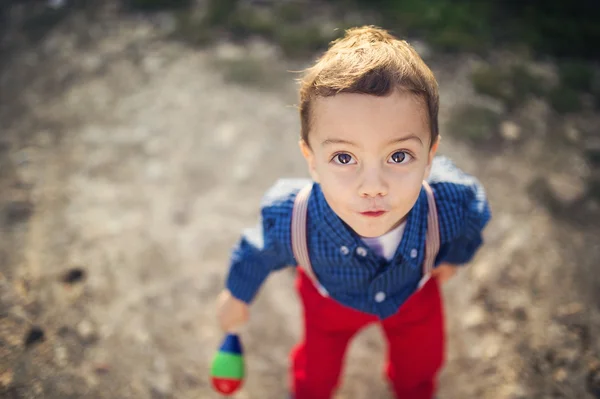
<point>430,156</point>
<point>309,155</point>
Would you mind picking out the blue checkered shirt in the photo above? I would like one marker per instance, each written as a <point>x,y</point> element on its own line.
<point>351,277</point>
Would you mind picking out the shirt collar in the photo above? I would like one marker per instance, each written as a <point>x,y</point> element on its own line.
<point>334,228</point>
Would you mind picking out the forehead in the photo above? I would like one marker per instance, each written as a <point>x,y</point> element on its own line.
<point>367,117</point>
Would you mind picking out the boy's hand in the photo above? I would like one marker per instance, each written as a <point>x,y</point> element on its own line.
<point>231,312</point>
<point>444,272</point>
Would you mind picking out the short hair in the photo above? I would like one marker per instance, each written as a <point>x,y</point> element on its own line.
<point>369,60</point>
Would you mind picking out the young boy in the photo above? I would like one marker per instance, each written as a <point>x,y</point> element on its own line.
<point>379,218</point>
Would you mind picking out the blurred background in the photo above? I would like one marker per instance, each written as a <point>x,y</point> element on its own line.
<point>137,138</point>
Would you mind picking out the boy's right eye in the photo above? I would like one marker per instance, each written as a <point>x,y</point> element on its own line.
<point>343,159</point>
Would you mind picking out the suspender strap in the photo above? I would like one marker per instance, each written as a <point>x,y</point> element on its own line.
<point>299,244</point>
<point>300,247</point>
<point>432,238</point>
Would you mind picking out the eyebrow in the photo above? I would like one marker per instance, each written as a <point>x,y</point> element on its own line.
<point>340,141</point>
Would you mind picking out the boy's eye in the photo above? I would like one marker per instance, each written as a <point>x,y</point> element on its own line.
<point>343,159</point>
<point>400,157</point>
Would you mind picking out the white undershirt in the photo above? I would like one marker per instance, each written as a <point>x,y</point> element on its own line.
<point>386,244</point>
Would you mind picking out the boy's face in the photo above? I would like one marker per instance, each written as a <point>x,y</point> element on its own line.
<point>370,154</point>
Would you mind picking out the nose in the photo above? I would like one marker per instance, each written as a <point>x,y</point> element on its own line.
<point>373,183</point>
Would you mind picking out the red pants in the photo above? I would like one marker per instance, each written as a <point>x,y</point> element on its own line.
<point>415,337</point>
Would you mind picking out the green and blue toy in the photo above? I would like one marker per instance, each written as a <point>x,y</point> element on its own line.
<point>228,369</point>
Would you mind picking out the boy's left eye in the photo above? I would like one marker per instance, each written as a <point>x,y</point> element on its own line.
<point>400,157</point>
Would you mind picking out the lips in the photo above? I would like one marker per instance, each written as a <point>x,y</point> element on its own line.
<point>372,214</point>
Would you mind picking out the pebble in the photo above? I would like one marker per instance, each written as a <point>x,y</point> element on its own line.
<point>566,188</point>
<point>86,331</point>
<point>510,131</point>
<point>6,378</point>
<point>572,133</point>
<point>560,375</point>
<point>474,317</point>
<point>61,356</point>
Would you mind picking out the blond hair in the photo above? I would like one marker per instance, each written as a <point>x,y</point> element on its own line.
<point>369,60</point>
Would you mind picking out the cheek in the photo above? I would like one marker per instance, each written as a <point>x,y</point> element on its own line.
<point>407,186</point>
<point>335,177</point>
<point>337,188</point>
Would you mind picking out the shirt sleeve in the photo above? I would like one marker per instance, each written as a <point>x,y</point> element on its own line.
<point>263,248</point>
<point>463,247</point>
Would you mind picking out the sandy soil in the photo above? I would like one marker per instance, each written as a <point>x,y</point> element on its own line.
<point>133,162</point>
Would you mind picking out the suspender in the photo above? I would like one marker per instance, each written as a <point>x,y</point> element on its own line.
<point>299,244</point>
<point>300,247</point>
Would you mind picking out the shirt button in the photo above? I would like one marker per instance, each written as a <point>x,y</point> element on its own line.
<point>344,250</point>
<point>360,251</point>
<point>413,253</point>
<point>380,296</point>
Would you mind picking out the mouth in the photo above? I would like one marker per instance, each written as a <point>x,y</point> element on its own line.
<point>372,214</point>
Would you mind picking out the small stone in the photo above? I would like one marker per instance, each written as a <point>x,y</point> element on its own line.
<point>570,309</point>
<point>6,378</point>
<point>510,131</point>
<point>491,350</point>
<point>61,356</point>
<point>560,375</point>
<point>474,317</point>
<point>86,331</point>
<point>566,188</point>
<point>573,134</point>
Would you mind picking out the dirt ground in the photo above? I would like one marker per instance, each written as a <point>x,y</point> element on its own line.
<point>129,164</point>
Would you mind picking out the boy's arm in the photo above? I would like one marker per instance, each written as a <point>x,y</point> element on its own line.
<point>256,254</point>
<point>463,247</point>
<point>267,246</point>
<point>465,212</point>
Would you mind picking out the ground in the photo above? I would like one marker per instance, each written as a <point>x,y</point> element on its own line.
<point>130,163</point>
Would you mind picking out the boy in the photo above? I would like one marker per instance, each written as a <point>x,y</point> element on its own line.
<point>382,217</point>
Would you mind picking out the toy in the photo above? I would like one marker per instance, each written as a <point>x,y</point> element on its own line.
<point>227,370</point>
